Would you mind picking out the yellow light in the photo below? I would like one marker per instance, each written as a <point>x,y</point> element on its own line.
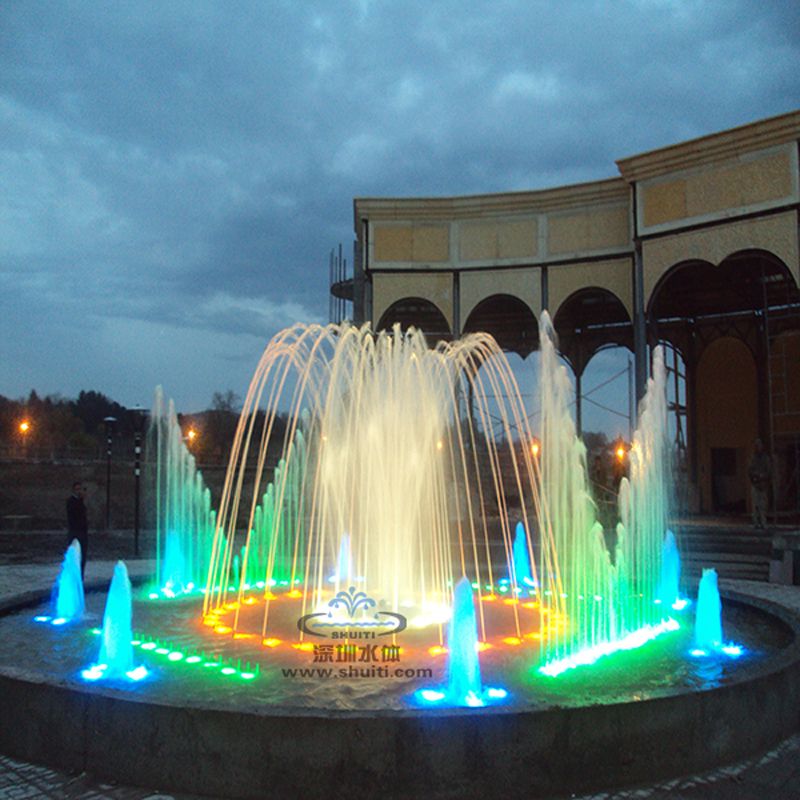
<point>487,598</point>
<point>533,635</point>
<point>211,621</point>
<point>510,601</point>
<point>534,448</point>
<point>24,426</point>
<point>295,593</point>
<point>191,434</point>
<point>439,444</point>
<point>244,636</point>
<point>232,606</point>
<point>437,650</point>
<point>530,605</point>
<point>481,646</point>
<point>512,640</point>
<point>223,629</point>
<point>620,453</point>
<point>306,647</point>
<point>271,642</point>
<point>250,601</point>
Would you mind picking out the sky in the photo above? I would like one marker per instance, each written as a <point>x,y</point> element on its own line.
<point>174,175</point>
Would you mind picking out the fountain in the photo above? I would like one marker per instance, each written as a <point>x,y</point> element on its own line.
<point>402,532</point>
<point>180,507</point>
<point>669,583</point>
<point>115,660</point>
<point>68,590</point>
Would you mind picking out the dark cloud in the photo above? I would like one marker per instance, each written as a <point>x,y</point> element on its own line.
<point>175,174</point>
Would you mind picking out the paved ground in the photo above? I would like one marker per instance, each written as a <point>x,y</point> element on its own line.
<point>770,776</point>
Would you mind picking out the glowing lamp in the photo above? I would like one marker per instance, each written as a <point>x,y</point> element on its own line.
<point>535,448</point>
<point>24,427</point>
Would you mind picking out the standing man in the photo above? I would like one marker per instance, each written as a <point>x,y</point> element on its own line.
<point>759,472</point>
<point>77,523</point>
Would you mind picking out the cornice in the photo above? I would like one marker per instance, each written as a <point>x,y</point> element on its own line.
<point>610,191</point>
<point>713,148</point>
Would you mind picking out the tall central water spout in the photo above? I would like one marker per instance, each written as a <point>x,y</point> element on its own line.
<point>116,650</point>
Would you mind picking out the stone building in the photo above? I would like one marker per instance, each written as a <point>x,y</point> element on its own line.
<point>694,245</point>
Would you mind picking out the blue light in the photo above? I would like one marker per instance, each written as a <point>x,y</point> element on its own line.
<point>497,694</point>
<point>59,621</point>
<point>733,650</point>
<point>430,695</point>
<point>698,653</point>
<point>42,618</point>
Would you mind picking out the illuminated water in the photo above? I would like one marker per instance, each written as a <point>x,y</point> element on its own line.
<point>594,600</point>
<point>69,601</point>
<point>179,505</point>
<point>669,584</point>
<point>463,667</point>
<point>382,449</point>
<point>708,614</point>
<point>116,651</point>
<point>522,560</point>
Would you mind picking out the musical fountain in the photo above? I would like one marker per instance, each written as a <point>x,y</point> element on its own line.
<point>417,595</point>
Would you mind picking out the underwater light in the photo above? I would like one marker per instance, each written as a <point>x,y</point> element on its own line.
<point>248,676</point>
<point>41,618</point>
<point>591,654</point>
<point>680,604</point>
<point>473,701</point>
<point>94,673</point>
<point>497,694</point>
<point>153,595</point>
<point>59,621</point>
<point>175,656</point>
<point>138,673</point>
<point>698,652</point>
<point>162,651</point>
<point>228,671</point>
<point>211,664</point>
<point>149,646</point>
<point>732,650</point>
<point>193,660</point>
<point>431,695</point>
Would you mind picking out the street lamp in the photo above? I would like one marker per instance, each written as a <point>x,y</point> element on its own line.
<point>138,425</point>
<point>110,422</point>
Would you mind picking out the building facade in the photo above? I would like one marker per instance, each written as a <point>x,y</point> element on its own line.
<point>694,246</point>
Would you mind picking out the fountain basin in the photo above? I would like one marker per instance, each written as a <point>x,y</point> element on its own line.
<point>507,751</point>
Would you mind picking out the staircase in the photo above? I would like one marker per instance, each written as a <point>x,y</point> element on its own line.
<point>735,550</point>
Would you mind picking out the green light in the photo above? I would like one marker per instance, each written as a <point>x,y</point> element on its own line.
<point>228,671</point>
<point>175,656</point>
<point>211,664</point>
<point>136,642</point>
<point>248,676</point>
<point>95,631</point>
<point>193,660</point>
<point>162,651</point>
<point>149,646</point>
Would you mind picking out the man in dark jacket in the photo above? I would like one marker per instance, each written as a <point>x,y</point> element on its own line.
<point>77,523</point>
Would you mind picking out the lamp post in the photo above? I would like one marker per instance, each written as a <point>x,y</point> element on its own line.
<point>109,421</point>
<point>139,417</point>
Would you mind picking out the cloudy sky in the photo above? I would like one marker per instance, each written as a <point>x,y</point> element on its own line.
<point>174,174</point>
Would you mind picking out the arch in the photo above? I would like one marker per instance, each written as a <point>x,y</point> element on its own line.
<point>509,319</point>
<point>418,313</point>
<point>589,320</point>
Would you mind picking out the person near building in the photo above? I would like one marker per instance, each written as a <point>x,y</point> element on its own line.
<point>759,472</point>
<point>77,521</point>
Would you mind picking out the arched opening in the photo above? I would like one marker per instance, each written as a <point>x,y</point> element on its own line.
<point>417,313</point>
<point>509,320</point>
<point>749,298</point>
<point>589,321</point>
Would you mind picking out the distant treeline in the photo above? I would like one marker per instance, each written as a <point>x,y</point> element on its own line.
<point>40,425</point>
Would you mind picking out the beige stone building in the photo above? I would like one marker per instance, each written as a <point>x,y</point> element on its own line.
<point>694,245</point>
